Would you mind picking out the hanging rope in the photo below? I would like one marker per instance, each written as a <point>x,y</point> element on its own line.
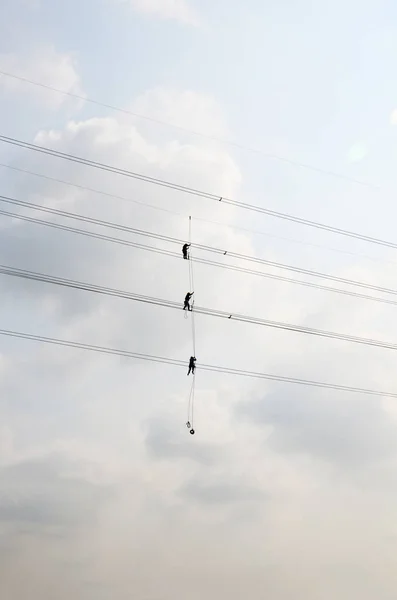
<point>190,418</point>
<point>190,404</point>
<point>191,283</point>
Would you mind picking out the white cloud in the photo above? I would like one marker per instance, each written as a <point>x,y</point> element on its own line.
<point>275,494</point>
<point>45,66</point>
<point>178,10</point>
<point>185,109</point>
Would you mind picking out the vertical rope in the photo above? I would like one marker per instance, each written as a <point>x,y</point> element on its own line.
<point>189,406</point>
<point>192,403</point>
<point>190,274</point>
<point>190,258</point>
<point>191,283</point>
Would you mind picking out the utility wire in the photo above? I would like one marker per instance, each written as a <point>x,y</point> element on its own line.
<point>203,367</point>
<point>83,286</point>
<point>200,260</point>
<point>201,219</point>
<point>192,191</point>
<point>196,133</point>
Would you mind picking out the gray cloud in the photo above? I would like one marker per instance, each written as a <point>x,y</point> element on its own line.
<point>337,427</point>
<point>193,516</point>
<point>164,442</point>
<point>220,493</point>
<point>39,494</point>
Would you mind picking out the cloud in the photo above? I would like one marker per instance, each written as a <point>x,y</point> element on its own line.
<point>177,107</point>
<point>48,67</point>
<point>101,483</point>
<point>39,493</point>
<point>220,493</point>
<point>346,431</point>
<point>352,433</point>
<point>163,443</point>
<point>178,10</point>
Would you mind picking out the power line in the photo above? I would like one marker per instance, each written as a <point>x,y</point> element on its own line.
<point>196,133</point>
<point>203,367</point>
<point>234,268</point>
<point>95,221</point>
<point>207,262</point>
<point>193,191</point>
<point>201,219</point>
<point>83,286</point>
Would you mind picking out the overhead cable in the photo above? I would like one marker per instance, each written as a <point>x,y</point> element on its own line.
<point>195,133</point>
<point>196,218</point>
<point>203,367</point>
<point>197,259</point>
<point>83,286</point>
<point>192,191</point>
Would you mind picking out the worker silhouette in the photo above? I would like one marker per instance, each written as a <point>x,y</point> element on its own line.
<point>186,304</point>
<point>192,365</point>
<point>185,248</point>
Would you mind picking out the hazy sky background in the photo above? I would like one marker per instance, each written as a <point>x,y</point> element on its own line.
<point>284,491</point>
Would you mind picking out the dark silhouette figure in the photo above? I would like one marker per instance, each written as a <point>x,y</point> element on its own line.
<point>186,304</point>
<point>185,248</point>
<point>192,365</point>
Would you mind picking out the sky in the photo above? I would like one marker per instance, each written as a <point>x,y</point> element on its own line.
<point>284,491</point>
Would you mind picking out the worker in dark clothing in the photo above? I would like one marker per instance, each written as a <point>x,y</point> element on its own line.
<point>185,248</point>
<point>192,365</point>
<point>186,304</point>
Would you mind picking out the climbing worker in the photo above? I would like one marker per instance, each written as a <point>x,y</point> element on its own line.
<point>186,304</point>
<point>192,365</point>
<point>185,248</point>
